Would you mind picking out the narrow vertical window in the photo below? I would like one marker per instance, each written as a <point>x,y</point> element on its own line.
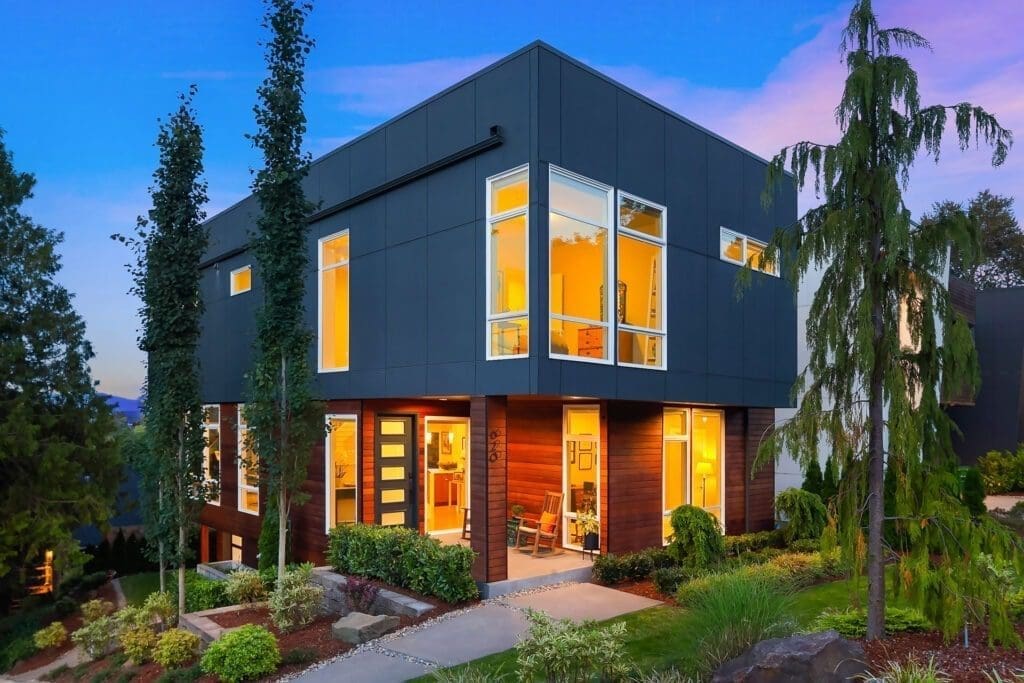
<point>342,471</point>
<point>334,302</point>
<point>580,259</point>
<point>640,285</point>
<point>708,467</point>
<point>241,280</point>
<point>675,465</point>
<point>211,449</point>
<point>248,471</point>
<point>508,308</point>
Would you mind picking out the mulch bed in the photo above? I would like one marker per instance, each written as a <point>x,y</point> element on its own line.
<point>71,623</point>
<point>959,663</point>
<point>644,589</point>
<point>315,639</point>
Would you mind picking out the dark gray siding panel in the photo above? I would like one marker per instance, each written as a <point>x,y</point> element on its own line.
<point>450,200</point>
<point>687,303</point>
<point>758,221</point>
<point>725,321</point>
<point>407,212</point>
<point>406,144</point>
<point>334,178</point>
<point>230,228</point>
<point>640,385</point>
<point>758,327</point>
<point>368,222</point>
<point>641,143</point>
<point>686,184</point>
<point>368,162</point>
<point>588,124</point>
<point>367,322</point>
<point>450,378</point>
<point>725,191</point>
<point>587,379</point>
<point>406,304</point>
<point>450,125</point>
<point>549,107</point>
<point>503,377</point>
<point>503,98</point>
<point>451,286</point>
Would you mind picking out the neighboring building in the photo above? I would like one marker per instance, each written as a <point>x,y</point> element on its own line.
<point>524,285</point>
<point>996,420</point>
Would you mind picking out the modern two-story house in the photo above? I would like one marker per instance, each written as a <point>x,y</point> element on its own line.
<point>523,286</point>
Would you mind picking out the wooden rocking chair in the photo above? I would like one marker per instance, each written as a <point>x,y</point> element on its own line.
<point>542,529</point>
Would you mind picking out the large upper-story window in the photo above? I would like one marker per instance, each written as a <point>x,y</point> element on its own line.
<point>508,309</point>
<point>580,247</point>
<point>740,249</point>
<point>211,449</point>
<point>248,471</point>
<point>334,302</point>
<point>640,289</point>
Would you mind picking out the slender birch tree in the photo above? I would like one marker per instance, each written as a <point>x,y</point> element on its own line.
<point>283,419</point>
<point>869,392</point>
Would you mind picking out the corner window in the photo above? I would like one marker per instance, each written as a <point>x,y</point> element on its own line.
<point>342,471</point>
<point>248,471</point>
<point>508,308</point>
<point>640,287</point>
<point>241,280</point>
<point>334,302</point>
<point>675,469</point>
<point>211,449</point>
<point>580,249</point>
<point>740,249</point>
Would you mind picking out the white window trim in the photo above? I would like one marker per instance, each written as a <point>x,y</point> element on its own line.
<point>721,459</point>
<point>488,223</point>
<point>231,281</point>
<point>723,231</point>
<point>662,243</point>
<point>426,475</point>
<point>609,299</point>
<point>241,485</point>
<point>320,270</point>
<point>687,479</point>
<point>566,515</point>
<point>329,492</point>
<point>206,458</point>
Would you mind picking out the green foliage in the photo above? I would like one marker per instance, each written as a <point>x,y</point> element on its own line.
<point>403,558</point>
<point>96,609</point>
<point>853,623</point>
<point>54,425</point>
<point>96,637</point>
<point>1002,242</point>
<point>736,612</point>
<point>696,537</point>
<point>138,643</point>
<point>910,671</point>
<point>667,579</point>
<point>972,491</point>
<point>360,594</point>
<point>866,394</point>
<point>805,545</point>
<point>813,480</point>
<point>296,600</point>
<point>299,655</point>
<point>752,542</point>
<point>187,675</point>
<point>563,651</point>
<point>131,617</point>
<point>161,606</point>
<point>53,635</point>
<point>202,593</point>
<point>611,569</point>
<point>245,586</point>
<point>1002,471</point>
<point>829,482</point>
<point>788,572</point>
<point>246,653</point>
<point>175,648</point>
<point>267,542</point>
<point>1015,605</point>
<point>805,512</point>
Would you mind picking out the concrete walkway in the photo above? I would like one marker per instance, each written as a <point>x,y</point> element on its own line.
<point>493,626</point>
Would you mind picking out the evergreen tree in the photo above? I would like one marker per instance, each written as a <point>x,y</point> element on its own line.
<point>1002,241</point>
<point>875,262</point>
<point>812,477</point>
<point>58,449</point>
<point>830,482</point>
<point>169,245</point>
<point>284,421</point>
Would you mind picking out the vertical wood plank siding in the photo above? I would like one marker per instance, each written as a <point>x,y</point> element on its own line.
<point>489,486</point>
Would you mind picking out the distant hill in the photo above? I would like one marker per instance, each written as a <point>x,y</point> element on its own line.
<point>130,408</point>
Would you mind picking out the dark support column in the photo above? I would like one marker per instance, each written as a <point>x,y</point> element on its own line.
<point>488,486</point>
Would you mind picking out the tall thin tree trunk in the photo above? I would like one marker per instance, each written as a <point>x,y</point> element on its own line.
<point>876,466</point>
<point>182,539</point>
<point>282,494</point>
<point>161,552</point>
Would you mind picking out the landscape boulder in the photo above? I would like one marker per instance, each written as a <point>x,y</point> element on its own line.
<point>826,657</point>
<point>355,627</point>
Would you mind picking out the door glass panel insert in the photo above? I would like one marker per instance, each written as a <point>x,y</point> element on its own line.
<point>447,475</point>
<point>395,471</point>
<point>392,427</point>
<point>392,518</point>
<point>581,467</point>
<point>392,450</point>
<point>706,475</point>
<point>392,496</point>
<point>392,473</point>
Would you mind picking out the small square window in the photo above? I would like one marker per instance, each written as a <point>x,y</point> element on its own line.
<point>241,280</point>
<point>732,246</point>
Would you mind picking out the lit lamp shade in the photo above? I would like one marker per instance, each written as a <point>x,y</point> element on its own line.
<point>705,469</point>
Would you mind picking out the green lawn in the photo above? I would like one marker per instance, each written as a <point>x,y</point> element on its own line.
<point>658,638</point>
<point>137,587</point>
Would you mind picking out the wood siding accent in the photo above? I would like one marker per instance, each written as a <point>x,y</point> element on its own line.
<point>489,458</point>
<point>534,452</point>
<point>761,489</point>
<point>634,479</point>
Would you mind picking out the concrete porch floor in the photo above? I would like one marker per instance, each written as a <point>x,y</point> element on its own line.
<point>527,571</point>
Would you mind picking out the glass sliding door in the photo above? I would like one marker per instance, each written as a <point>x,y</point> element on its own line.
<point>581,469</point>
<point>446,482</point>
<point>707,473</point>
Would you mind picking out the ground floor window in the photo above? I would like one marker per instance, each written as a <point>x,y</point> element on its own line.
<point>211,449</point>
<point>446,479</point>
<point>707,473</point>
<point>248,471</point>
<point>342,471</point>
<point>581,467</point>
<point>236,548</point>
<point>675,465</point>
<point>692,462</point>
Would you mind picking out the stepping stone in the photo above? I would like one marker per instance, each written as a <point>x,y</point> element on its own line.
<point>355,628</point>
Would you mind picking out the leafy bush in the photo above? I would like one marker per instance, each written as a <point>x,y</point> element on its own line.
<point>805,545</point>
<point>1015,605</point>
<point>245,586</point>
<point>296,601</point>
<point>65,606</point>
<point>1002,471</point>
<point>175,647</point>
<point>96,637</point>
<point>53,635</point>
<point>753,542</point>
<point>131,617</point>
<point>96,609</point>
<point>853,623</point>
<point>667,579</point>
<point>403,558</point>
<point>696,537</point>
<point>805,512</point>
<point>299,655</point>
<point>201,593</point>
<point>785,572</point>
<point>972,490</point>
<point>161,606</point>
<point>248,652</point>
<point>188,675</point>
<point>138,643</point>
<point>813,479</point>
<point>564,651</point>
<point>360,594</point>
<point>612,569</point>
<point>734,614</point>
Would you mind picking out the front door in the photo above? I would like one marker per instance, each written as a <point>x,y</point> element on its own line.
<point>395,471</point>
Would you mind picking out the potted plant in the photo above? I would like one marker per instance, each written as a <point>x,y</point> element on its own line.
<point>589,527</point>
<point>512,526</point>
<point>517,511</point>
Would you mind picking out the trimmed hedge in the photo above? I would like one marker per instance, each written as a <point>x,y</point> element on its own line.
<point>403,558</point>
<point>612,569</point>
<point>754,542</point>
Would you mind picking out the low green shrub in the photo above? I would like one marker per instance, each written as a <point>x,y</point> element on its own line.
<point>805,545</point>
<point>187,675</point>
<point>753,542</point>
<point>201,593</point>
<point>805,513</point>
<point>972,490</point>
<point>161,606</point>
<point>298,655</point>
<point>248,652</point>
<point>53,635</point>
<point>564,650</point>
<point>786,572</point>
<point>65,606</point>
<point>175,648</point>
<point>96,637</point>
<point>696,538</point>
<point>96,609</point>
<point>131,617</point>
<point>296,601</point>
<point>1002,471</point>
<point>138,643</point>
<point>404,558</point>
<point>667,579</point>
<point>1015,604</point>
<point>245,586</point>
<point>853,622</point>
<point>611,569</point>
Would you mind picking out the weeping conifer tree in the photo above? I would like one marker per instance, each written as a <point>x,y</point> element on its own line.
<point>866,390</point>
